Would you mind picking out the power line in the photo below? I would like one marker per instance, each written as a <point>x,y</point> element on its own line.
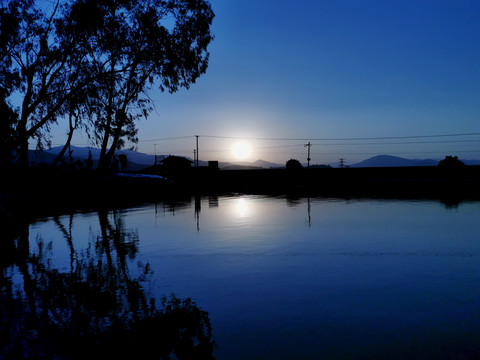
<point>397,152</point>
<point>400,143</point>
<point>319,139</point>
<point>165,139</point>
<point>370,143</point>
<point>321,142</point>
<point>320,153</point>
<point>352,144</point>
<point>341,139</point>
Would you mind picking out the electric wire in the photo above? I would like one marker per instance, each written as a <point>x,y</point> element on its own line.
<point>341,139</point>
<point>322,143</point>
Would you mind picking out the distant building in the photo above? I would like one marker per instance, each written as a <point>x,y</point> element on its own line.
<point>176,163</point>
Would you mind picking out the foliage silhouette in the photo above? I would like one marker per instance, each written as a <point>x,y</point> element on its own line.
<point>136,44</point>
<point>293,165</point>
<point>95,60</point>
<point>8,120</point>
<point>45,65</point>
<point>451,162</point>
<point>97,309</point>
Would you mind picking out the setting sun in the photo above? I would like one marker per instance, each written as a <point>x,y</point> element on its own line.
<point>241,150</point>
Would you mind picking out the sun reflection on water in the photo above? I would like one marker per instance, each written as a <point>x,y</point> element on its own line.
<point>242,207</point>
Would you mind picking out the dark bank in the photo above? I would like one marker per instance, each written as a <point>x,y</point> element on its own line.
<point>421,182</point>
<point>46,189</point>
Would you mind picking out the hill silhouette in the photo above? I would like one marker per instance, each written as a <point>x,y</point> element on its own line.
<point>138,160</point>
<point>393,161</point>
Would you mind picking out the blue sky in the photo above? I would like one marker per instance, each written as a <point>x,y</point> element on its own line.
<point>315,69</point>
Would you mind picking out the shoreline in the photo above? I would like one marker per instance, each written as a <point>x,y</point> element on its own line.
<point>26,194</point>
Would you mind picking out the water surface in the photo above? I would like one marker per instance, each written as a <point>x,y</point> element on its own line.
<point>296,278</point>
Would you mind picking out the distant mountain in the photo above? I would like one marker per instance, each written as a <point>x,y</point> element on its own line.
<point>83,152</point>
<point>36,157</point>
<point>77,152</point>
<point>137,160</point>
<point>239,167</point>
<point>471,162</point>
<point>140,158</point>
<point>393,161</point>
<point>258,164</point>
<point>320,166</point>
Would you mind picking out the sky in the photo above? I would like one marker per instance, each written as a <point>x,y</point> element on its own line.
<point>355,78</point>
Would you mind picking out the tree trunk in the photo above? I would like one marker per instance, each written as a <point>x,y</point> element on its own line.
<point>111,152</point>
<point>22,137</point>
<point>67,144</point>
<point>104,162</point>
<point>22,150</point>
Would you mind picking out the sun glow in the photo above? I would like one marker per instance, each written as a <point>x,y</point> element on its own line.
<point>241,150</point>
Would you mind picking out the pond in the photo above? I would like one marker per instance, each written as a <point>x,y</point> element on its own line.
<point>253,277</point>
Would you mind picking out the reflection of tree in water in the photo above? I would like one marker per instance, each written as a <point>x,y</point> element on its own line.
<point>97,309</point>
<point>450,203</point>
<point>293,200</point>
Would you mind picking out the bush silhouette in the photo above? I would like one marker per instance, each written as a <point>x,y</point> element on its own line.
<point>293,165</point>
<point>451,162</point>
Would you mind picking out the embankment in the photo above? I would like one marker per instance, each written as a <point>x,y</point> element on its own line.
<point>47,190</point>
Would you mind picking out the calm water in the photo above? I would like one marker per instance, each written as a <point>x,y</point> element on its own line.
<point>291,279</point>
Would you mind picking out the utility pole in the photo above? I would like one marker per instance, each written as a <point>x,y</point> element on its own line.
<point>197,151</point>
<point>155,147</point>
<point>194,156</point>
<point>308,156</point>
<point>342,163</point>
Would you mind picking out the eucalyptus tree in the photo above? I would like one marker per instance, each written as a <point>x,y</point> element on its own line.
<point>9,25</point>
<point>96,60</point>
<point>136,45</point>
<point>44,64</point>
<point>8,119</point>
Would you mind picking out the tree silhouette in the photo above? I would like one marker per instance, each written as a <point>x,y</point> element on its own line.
<point>134,45</point>
<point>8,120</point>
<point>98,59</point>
<point>9,25</point>
<point>123,159</point>
<point>44,64</point>
<point>293,165</point>
<point>76,111</point>
<point>451,162</point>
